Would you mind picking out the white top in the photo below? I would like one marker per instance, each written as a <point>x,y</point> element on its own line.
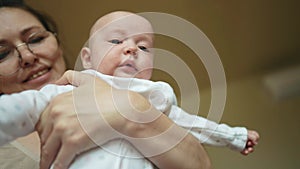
<point>20,112</point>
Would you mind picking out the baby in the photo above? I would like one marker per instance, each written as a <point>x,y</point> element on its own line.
<point>119,52</point>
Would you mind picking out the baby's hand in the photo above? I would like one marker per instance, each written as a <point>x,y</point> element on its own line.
<point>253,138</point>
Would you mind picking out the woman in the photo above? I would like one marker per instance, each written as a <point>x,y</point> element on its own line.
<point>30,57</point>
<point>34,70</point>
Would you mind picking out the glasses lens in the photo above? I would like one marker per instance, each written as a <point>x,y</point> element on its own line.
<point>9,60</point>
<point>39,41</point>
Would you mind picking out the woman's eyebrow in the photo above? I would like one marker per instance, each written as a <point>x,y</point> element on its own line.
<point>26,30</point>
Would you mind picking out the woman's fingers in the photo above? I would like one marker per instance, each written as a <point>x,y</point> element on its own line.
<point>64,136</point>
<point>44,126</point>
<point>71,146</point>
<point>49,150</point>
<point>67,78</point>
<point>74,78</point>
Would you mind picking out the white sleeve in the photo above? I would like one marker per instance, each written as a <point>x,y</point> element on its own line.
<point>209,132</point>
<point>20,112</point>
<point>162,97</point>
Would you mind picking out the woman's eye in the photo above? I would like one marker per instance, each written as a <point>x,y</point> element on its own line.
<point>4,54</point>
<point>115,41</point>
<point>35,39</point>
<point>143,48</point>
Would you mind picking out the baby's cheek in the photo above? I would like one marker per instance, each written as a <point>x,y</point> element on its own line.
<point>106,69</point>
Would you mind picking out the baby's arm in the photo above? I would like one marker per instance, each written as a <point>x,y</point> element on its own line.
<point>162,97</point>
<point>208,132</point>
<point>20,112</point>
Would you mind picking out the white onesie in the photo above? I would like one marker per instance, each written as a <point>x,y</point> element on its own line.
<point>20,112</point>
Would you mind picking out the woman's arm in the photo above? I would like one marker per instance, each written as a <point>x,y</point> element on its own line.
<point>167,145</point>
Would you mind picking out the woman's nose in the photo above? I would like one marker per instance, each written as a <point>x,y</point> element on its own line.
<point>27,57</point>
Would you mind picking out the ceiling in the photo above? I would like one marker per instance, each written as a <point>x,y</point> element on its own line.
<point>251,37</point>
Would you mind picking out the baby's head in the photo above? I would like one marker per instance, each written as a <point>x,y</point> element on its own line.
<point>120,45</point>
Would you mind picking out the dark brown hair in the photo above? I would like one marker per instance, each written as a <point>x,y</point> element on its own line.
<point>45,20</point>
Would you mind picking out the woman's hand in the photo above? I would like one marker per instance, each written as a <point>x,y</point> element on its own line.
<point>68,125</point>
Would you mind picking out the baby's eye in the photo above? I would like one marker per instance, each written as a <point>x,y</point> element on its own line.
<point>115,41</point>
<point>143,48</point>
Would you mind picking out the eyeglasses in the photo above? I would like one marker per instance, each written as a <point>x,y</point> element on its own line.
<point>10,55</point>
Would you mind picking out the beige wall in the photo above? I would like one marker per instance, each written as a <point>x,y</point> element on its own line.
<point>249,104</point>
<point>251,37</point>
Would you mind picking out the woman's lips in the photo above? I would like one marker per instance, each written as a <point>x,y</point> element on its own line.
<point>40,73</point>
<point>37,74</point>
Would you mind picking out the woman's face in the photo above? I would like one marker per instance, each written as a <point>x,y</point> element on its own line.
<point>38,65</point>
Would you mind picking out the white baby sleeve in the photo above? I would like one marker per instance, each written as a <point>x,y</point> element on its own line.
<point>209,132</point>
<point>20,112</point>
<point>162,97</point>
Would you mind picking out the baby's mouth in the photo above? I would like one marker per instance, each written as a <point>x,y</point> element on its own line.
<point>129,65</point>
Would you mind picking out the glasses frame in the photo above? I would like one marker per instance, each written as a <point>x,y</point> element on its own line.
<point>16,51</point>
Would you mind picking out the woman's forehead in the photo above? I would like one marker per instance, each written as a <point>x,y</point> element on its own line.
<point>15,19</point>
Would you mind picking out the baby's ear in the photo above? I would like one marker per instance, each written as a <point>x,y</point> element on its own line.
<point>86,58</point>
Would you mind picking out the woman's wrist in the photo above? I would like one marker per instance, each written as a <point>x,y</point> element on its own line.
<point>142,120</point>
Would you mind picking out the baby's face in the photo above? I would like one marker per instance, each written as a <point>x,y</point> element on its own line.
<point>122,47</point>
